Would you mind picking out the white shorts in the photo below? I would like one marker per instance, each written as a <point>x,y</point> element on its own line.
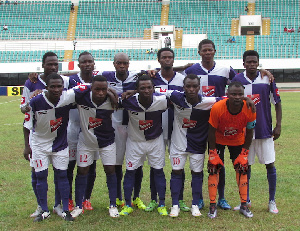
<point>41,160</point>
<point>178,159</point>
<point>120,140</point>
<point>86,156</point>
<point>137,151</point>
<point>72,135</point>
<point>264,149</point>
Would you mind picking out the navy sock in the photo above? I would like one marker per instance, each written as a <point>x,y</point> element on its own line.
<point>42,188</point>
<point>111,182</point>
<point>119,175</point>
<point>80,186</point>
<point>175,185</point>
<point>160,184</point>
<point>90,181</point>
<point>63,187</point>
<point>152,185</point>
<point>33,183</point>
<point>221,185</point>
<point>248,187</point>
<point>70,174</point>
<point>56,190</point>
<point>271,174</point>
<point>138,182</point>
<point>196,184</point>
<point>182,186</point>
<point>128,185</point>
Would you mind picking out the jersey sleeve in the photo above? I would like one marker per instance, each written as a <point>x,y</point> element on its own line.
<point>25,96</point>
<point>274,94</point>
<point>232,73</point>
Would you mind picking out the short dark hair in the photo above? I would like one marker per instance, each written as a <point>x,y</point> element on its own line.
<point>143,77</point>
<point>206,41</point>
<point>191,76</point>
<point>250,53</point>
<point>48,54</point>
<point>85,53</point>
<point>236,84</point>
<point>53,76</point>
<point>164,49</point>
<point>99,78</point>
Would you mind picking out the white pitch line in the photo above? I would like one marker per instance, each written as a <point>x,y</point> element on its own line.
<point>13,124</point>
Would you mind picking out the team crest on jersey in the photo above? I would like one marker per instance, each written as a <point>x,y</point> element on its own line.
<point>94,122</point>
<point>162,90</point>
<point>188,123</point>
<point>42,112</point>
<point>255,98</point>
<point>55,124</point>
<point>27,116</point>
<point>277,92</point>
<point>208,90</point>
<point>230,131</point>
<point>145,124</point>
<point>23,100</point>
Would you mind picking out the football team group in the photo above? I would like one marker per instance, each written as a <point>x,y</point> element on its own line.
<point>137,116</point>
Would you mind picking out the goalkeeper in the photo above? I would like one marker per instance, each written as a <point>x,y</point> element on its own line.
<point>231,124</point>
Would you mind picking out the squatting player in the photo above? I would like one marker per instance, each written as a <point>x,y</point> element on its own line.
<point>145,139</point>
<point>231,125</point>
<point>262,92</point>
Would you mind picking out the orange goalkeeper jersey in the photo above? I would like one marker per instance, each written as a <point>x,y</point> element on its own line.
<point>231,128</point>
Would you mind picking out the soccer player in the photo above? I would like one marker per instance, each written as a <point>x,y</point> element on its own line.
<point>145,139</point>
<point>167,79</point>
<point>122,80</point>
<point>262,92</point>
<point>97,135</point>
<point>50,65</point>
<point>86,65</point>
<point>231,125</point>
<point>49,117</point>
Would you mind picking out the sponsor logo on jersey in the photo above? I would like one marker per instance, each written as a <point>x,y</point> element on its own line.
<point>42,112</point>
<point>55,124</point>
<point>277,92</point>
<point>112,84</point>
<point>22,100</point>
<point>188,123</point>
<point>27,116</point>
<point>230,131</point>
<point>162,90</point>
<point>208,90</point>
<point>82,87</point>
<point>94,122</point>
<point>180,108</point>
<point>134,112</point>
<point>255,98</point>
<point>145,124</point>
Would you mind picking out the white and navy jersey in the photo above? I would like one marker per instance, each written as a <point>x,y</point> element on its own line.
<point>145,123</point>
<point>190,128</point>
<point>263,93</point>
<point>49,122</point>
<point>28,90</point>
<point>212,82</point>
<point>121,116</point>
<point>176,83</point>
<point>95,120</point>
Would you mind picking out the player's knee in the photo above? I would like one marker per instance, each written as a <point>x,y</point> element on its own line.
<point>177,172</point>
<point>196,173</point>
<point>158,171</point>
<point>109,169</point>
<point>60,173</point>
<point>42,174</point>
<point>83,170</point>
<point>271,165</point>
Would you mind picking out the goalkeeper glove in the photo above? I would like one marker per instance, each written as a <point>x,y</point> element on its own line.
<point>241,162</point>
<point>214,162</point>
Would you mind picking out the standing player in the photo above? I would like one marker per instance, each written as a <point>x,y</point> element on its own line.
<point>50,65</point>
<point>49,117</point>
<point>228,121</point>
<point>213,81</point>
<point>262,92</point>
<point>145,139</point>
<point>122,80</point>
<point>86,65</point>
<point>97,135</point>
<point>167,79</point>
